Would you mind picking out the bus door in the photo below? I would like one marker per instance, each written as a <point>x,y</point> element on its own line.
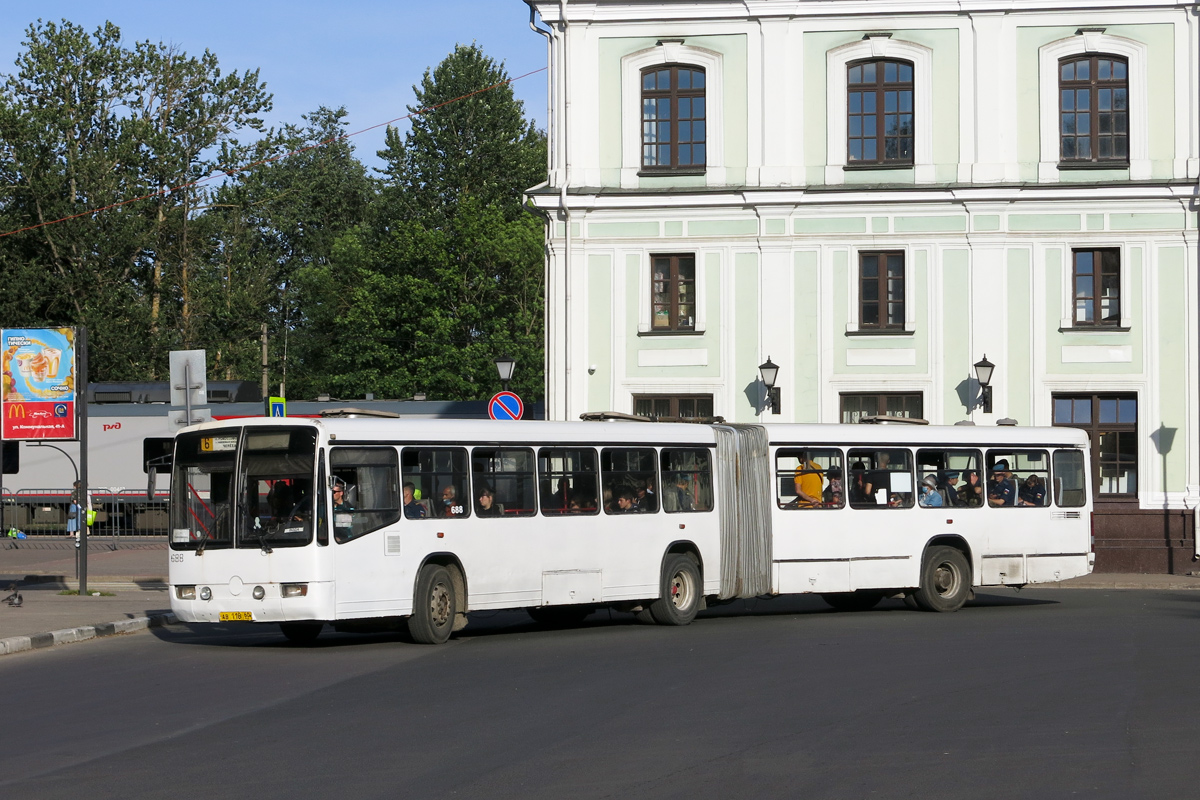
<point>886,535</point>
<point>503,550</point>
<point>1019,501</point>
<point>811,549</point>
<point>371,577</point>
<point>575,549</point>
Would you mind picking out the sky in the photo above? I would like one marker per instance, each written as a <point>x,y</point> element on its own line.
<point>362,54</point>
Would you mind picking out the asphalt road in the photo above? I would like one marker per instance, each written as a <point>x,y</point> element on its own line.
<point>1049,693</point>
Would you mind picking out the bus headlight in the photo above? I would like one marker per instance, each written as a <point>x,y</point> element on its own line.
<point>259,593</point>
<point>205,593</point>
<point>185,592</point>
<point>294,589</point>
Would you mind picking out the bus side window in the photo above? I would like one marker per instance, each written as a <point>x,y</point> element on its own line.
<point>371,477</point>
<point>809,478</point>
<point>956,477</point>
<point>633,470</point>
<point>1018,478</point>
<point>687,479</point>
<point>439,479</point>
<point>1070,489</point>
<point>567,480</point>
<point>507,475</point>
<point>881,479</point>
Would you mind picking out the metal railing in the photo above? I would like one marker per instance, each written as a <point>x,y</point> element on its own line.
<point>120,514</point>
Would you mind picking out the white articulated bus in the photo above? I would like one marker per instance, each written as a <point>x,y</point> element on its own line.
<point>362,523</point>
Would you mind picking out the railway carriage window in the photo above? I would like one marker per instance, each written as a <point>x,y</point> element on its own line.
<point>507,475</point>
<point>1070,489</point>
<point>956,475</point>
<point>687,479</point>
<point>634,470</point>
<point>277,481</point>
<point>881,479</point>
<point>203,477</point>
<point>439,479</point>
<point>1018,478</point>
<point>568,481</point>
<point>154,448</point>
<point>370,477</point>
<point>810,478</point>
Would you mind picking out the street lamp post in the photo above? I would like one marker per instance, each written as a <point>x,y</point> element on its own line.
<point>505,365</point>
<point>983,373</point>
<point>769,372</point>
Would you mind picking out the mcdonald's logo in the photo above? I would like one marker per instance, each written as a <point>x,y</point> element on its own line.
<point>16,411</point>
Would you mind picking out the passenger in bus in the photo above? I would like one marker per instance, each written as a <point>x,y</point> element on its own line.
<point>279,499</point>
<point>859,492</point>
<point>808,484</point>
<point>450,505</point>
<point>1001,489</point>
<point>930,497</point>
<point>970,494</point>
<point>626,502</point>
<point>833,492</point>
<point>412,507</point>
<point>682,492</point>
<point>1032,492</point>
<point>486,505</point>
<point>339,498</point>
<point>647,500</point>
<point>895,501</point>
<point>948,488</point>
<point>580,504</point>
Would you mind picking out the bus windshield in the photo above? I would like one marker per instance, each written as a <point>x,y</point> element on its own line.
<point>274,471</point>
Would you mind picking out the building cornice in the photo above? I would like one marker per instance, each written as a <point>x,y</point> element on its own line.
<point>617,11</point>
<point>616,199</point>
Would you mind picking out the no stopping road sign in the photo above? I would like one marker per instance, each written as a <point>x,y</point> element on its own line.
<point>505,405</point>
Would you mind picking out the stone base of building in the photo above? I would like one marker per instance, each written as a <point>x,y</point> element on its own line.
<point>1131,539</point>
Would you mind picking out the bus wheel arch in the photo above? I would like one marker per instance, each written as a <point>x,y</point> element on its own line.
<point>946,575</point>
<point>681,595</point>
<point>420,624</point>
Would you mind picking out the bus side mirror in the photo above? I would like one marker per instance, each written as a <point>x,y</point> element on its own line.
<point>151,476</point>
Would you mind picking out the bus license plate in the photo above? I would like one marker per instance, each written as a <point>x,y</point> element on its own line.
<point>237,616</point>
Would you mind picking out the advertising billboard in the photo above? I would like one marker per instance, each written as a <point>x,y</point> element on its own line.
<point>37,383</point>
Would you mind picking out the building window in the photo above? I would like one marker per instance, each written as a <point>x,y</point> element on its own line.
<point>881,291</point>
<point>900,404</point>
<point>879,108</point>
<point>673,293</point>
<point>673,406</point>
<point>1096,287</point>
<point>1111,421</point>
<point>1094,109</point>
<point>673,119</point>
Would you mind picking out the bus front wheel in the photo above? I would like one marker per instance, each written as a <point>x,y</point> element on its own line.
<point>434,606</point>
<point>681,595</point>
<point>945,580</point>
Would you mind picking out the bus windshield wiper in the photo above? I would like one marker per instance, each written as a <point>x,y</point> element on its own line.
<point>203,542</point>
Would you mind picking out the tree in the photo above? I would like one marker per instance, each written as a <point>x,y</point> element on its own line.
<point>86,123</point>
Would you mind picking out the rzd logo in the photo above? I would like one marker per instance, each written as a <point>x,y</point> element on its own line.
<point>16,411</point>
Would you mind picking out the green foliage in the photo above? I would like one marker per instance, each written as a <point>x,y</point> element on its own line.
<point>410,283</point>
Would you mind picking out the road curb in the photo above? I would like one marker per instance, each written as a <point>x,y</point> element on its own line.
<point>36,641</point>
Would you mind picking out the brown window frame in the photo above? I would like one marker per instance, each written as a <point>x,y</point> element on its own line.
<point>676,284</point>
<point>1096,429</point>
<point>673,405</point>
<point>1100,271</point>
<point>857,113</point>
<point>880,282</point>
<point>881,400</point>
<point>1095,87</point>
<point>673,95</point>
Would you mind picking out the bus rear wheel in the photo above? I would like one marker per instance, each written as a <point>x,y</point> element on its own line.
<point>434,606</point>
<point>301,632</point>
<point>853,601</point>
<point>681,593</point>
<point>945,580</point>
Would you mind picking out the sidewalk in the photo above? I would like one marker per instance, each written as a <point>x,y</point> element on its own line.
<point>132,579</point>
<point>135,575</point>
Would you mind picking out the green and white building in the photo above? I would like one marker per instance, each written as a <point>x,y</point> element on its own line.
<point>877,194</point>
